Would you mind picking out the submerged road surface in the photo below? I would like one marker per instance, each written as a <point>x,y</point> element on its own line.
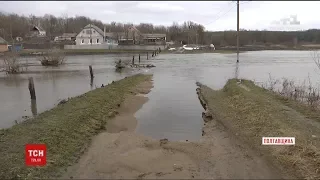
<point>122,153</point>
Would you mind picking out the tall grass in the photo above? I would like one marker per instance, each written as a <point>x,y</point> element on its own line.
<point>304,92</point>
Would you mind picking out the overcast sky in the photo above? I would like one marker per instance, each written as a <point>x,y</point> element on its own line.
<point>214,15</point>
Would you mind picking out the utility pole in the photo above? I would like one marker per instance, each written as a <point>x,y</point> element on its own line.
<point>188,36</point>
<point>237,31</point>
<point>197,38</point>
<point>90,35</point>
<point>104,34</point>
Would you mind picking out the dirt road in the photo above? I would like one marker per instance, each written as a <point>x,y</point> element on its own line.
<point>121,153</point>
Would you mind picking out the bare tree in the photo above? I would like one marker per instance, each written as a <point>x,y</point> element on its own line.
<point>65,22</point>
<point>11,63</point>
<point>10,59</point>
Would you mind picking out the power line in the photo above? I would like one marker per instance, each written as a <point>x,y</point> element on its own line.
<point>221,15</point>
<point>222,9</point>
<point>226,11</point>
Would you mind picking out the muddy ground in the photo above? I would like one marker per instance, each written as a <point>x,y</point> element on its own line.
<point>121,153</point>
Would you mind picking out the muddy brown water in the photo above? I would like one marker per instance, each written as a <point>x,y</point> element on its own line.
<point>173,110</point>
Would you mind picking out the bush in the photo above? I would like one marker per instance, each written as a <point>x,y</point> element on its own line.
<point>53,57</point>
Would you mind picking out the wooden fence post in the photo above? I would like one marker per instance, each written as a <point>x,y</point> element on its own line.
<point>132,60</point>
<point>31,88</point>
<point>91,72</point>
<point>139,58</point>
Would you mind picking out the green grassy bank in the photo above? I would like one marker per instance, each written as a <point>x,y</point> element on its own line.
<point>251,113</point>
<point>66,130</point>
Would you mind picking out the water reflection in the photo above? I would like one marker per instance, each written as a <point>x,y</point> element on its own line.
<point>236,73</point>
<point>91,83</point>
<point>34,107</point>
<point>174,77</point>
<point>52,84</point>
<point>173,110</point>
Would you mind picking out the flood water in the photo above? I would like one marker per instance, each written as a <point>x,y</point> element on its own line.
<point>173,110</point>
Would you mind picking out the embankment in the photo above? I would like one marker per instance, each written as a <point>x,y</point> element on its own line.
<point>66,130</point>
<point>37,52</point>
<point>250,113</point>
<point>122,153</point>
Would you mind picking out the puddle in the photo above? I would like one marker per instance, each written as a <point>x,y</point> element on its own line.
<point>173,110</point>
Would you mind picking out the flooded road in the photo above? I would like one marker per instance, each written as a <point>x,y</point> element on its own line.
<point>53,84</point>
<point>173,110</point>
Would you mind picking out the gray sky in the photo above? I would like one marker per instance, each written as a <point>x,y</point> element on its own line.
<point>214,15</point>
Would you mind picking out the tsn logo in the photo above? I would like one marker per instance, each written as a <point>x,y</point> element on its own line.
<point>35,154</point>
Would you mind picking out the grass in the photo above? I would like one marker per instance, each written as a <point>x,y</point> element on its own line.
<point>303,98</point>
<point>254,112</point>
<point>66,130</point>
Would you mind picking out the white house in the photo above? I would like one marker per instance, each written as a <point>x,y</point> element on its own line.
<point>90,34</point>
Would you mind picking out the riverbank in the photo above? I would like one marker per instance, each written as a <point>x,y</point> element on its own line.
<point>37,52</point>
<point>250,113</point>
<point>66,130</point>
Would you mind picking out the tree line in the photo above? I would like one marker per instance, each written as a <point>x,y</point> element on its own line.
<point>14,25</point>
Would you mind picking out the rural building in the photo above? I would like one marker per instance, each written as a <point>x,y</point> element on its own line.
<point>3,45</point>
<point>36,31</point>
<point>134,36</point>
<point>131,36</point>
<point>90,34</point>
<point>154,39</point>
<point>37,43</point>
<point>111,38</point>
<point>15,47</point>
<point>66,37</point>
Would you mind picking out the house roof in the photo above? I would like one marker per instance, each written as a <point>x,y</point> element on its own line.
<point>94,27</point>
<point>2,41</point>
<point>123,34</point>
<point>69,35</point>
<point>154,35</point>
<point>133,28</point>
<point>37,28</point>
